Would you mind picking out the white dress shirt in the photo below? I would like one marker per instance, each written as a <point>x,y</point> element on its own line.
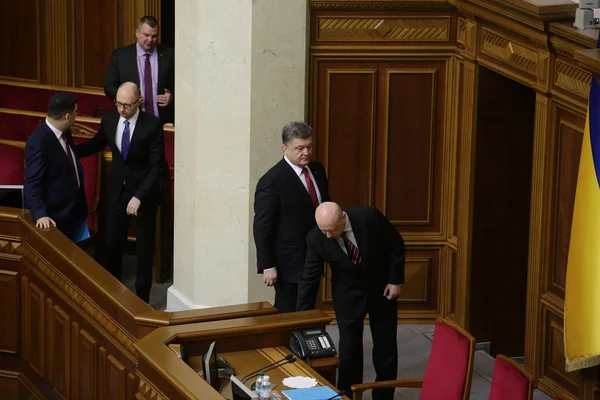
<point>298,171</point>
<point>63,144</point>
<point>121,128</point>
<point>349,234</point>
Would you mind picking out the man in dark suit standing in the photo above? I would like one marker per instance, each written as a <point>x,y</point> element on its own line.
<point>137,144</point>
<point>54,188</point>
<point>366,255</point>
<point>148,65</point>
<point>284,208</point>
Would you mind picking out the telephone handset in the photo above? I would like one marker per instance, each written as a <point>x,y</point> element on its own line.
<point>312,343</point>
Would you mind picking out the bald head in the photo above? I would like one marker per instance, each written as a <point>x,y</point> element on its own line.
<point>128,99</point>
<point>330,219</point>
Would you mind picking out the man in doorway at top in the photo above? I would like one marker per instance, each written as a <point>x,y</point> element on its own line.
<point>149,65</point>
<point>284,212</point>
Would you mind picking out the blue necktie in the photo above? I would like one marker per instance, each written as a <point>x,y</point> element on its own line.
<point>125,140</point>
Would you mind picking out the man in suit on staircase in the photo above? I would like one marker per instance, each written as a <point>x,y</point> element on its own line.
<point>138,150</point>
<point>149,65</point>
<point>366,254</point>
<point>54,187</point>
<point>284,211</point>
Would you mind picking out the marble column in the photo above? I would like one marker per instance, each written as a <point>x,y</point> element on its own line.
<point>240,75</point>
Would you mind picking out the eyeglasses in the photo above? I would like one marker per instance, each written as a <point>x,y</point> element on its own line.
<point>124,106</point>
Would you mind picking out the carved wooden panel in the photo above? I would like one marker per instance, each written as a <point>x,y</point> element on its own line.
<point>569,136</point>
<point>9,316</point>
<point>420,294</point>
<point>572,78</point>
<point>453,292</point>
<point>87,365</point>
<point>409,162</point>
<point>37,329</point>
<point>115,379</point>
<point>553,356</point>
<point>407,29</point>
<point>102,387</point>
<point>56,42</point>
<point>20,47</point>
<point>59,351</point>
<point>95,39</point>
<point>508,50</point>
<point>345,131</point>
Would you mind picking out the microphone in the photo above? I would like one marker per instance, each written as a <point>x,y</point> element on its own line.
<point>339,394</point>
<point>290,361</point>
<point>275,364</point>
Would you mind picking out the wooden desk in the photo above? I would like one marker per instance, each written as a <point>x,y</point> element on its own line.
<point>247,361</point>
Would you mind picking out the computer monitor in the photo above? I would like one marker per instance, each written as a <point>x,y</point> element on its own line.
<point>11,196</point>
<point>210,368</point>
<point>239,391</point>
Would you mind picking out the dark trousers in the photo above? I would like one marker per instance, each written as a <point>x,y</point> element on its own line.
<point>383,322</point>
<point>116,237</point>
<point>286,295</point>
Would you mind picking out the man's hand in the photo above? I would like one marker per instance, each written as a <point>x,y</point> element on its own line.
<point>133,206</point>
<point>270,276</point>
<point>45,223</point>
<point>164,99</point>
<point>392,291</point>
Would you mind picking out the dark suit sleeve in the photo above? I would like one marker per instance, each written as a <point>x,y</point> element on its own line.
<point>394,247</point>
<point>157,160</point>
<point>266,213</point>
<point>308,287</point>
<point>112,79</point>
<point>94,145</point>
<point>35,169</point>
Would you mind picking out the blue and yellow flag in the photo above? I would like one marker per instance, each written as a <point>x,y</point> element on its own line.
<point>582,297</point>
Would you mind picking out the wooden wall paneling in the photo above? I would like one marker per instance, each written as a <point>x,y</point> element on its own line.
<point>96,32</point>
<point>116,387</point>
<point>466,166</point>
<point>25,339</point>
<point>20,47</point>
<point>59,353</point>
<point>9,316</point>
<point>102,381</point>
<point>345,129</point>
<point>452,291</point>
<point>87,366</point>
<point>56,40</point>
<point>131,386</point>
<point>567,127</point>
<point>421,296</point>
<point>553,377</point>
<point>409,145</point>
<point>37,329</point>
<point>74,368</point>
<point>539,224</point>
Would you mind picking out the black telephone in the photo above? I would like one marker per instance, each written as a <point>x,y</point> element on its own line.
<point>312,343</point>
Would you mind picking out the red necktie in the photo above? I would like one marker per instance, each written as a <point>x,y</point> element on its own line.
<point>352,250</point>
<point>68,148</point>
<point>312,192</point>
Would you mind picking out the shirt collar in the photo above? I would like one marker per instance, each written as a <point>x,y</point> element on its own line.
<point>297,169</point>
<point>141,52</point>
<point>348,227</point>
<point>53,129</point>
<point>131,120</point>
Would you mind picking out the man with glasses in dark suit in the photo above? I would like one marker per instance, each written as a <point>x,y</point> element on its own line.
<point>138,151</point>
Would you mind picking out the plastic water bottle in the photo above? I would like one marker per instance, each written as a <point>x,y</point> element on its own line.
<point>258,384</point>
<point>265,388</point>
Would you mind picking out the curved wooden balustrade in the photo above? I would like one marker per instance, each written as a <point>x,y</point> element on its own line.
<point>66,323</point>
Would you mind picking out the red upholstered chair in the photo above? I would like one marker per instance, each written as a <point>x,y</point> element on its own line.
<point>92,167</point>
<point>12,162</point>
<point>510,381</point>
<point>449,368</point>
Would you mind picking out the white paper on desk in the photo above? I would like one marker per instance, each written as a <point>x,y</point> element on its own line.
<point>299,382</point>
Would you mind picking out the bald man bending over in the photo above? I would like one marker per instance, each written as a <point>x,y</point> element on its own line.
<point>138,151</point>
<point>366,255</point>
